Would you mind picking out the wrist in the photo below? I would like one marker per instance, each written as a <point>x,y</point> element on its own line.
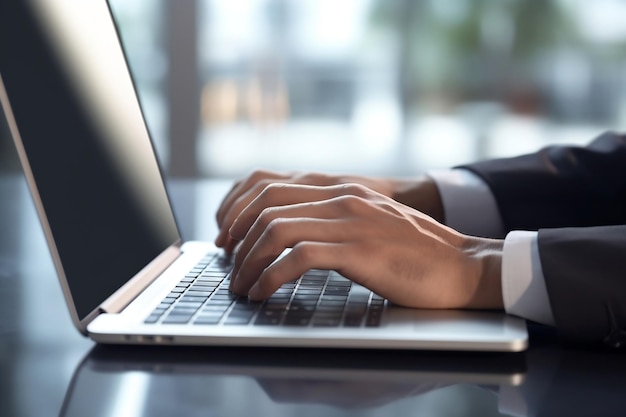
<point>421,194</point>
<point>487,257</point>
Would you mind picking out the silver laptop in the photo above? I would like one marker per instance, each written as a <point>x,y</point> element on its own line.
<point>127,277</point>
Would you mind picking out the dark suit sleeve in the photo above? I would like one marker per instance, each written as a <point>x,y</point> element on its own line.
<point>560,186</point>
<point>576,196</point>
<point>585,272</point>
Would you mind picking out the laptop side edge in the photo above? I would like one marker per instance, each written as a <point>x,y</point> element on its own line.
<point>125,294</point>
<point>34,192</point>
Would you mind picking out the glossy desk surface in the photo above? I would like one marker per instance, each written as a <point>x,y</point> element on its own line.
<point>48,369</point>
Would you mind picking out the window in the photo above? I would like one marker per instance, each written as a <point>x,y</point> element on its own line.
<point>383,86</point>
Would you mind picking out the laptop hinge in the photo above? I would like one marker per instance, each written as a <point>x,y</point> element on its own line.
<point>134,286</point>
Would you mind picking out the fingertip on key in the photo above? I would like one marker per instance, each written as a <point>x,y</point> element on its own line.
<point>220,240</point>
<point>255,293</point>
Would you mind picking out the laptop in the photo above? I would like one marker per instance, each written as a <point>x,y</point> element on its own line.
<point>126,274</point>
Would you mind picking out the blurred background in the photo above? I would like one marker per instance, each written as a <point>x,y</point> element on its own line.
<point>388,87</point>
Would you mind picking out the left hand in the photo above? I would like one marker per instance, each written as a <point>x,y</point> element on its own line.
<point>392,249</point>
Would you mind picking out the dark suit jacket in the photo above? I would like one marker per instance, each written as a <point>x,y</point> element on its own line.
<point>576,198</point>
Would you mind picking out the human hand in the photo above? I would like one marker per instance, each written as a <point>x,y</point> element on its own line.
<point>388,247</point>
<point>420,193</point>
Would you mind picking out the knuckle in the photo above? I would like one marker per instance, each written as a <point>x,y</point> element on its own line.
<point>258,175</point>
<point>355,189</point>
<point>304,253</point>
<point>351,203</point>
<point>271,280</point>
<point>272,190</point>
<point>266,216</point>
<point>260,186</point>
<point>274,229</point>
<point>314,178</point>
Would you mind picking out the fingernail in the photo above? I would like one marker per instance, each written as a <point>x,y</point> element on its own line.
<point>255,292</point>
<point>219,240</point>
<point>231,234</point>
<point>233,279</point>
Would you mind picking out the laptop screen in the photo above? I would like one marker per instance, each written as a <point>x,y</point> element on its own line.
<point>83,132</point>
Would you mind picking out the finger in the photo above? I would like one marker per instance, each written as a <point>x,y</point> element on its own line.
<point>239,196</point>
<point>241,187</point>
<point>304,256</point>
<point>272,221</point>
<point>230,246</point>
<point>249,190</point>
<point>237,207</point>
<point>278,195</point>
<point>281,234</point>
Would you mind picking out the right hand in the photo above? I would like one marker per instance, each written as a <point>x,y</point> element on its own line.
<point>394,250</point>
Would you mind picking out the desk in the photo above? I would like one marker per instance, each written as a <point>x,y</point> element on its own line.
<point>49,369</point>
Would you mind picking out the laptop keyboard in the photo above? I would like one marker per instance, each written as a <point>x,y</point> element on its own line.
<point>318,298</point>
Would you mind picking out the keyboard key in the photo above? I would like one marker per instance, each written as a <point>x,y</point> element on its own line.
<point>338,298</point>
<point>216,302</point>
<point>207,320</point>
<point>343,283</point>
<point>324,308</point>
<point>336,290</point>
<point>209,280</point>
<point>239,316</point>
<point>277,301</point>
<point>213,309</point>
<point>271,317</point>
<point>177,319</point>
<point>193,299</point>
<point>153,318</point>
<point>284,291</point>
<point>237,320</point>
<point>316,273</point>
<point>229,297</point>
<point>305,297</point>
<point>373,318</point>
<point>326,321</point>
<point>245,307</point>
<point>356,309</point>
<point>332,303</point>
<point>241,313</point>
<point>352,320</point>
<point>183,311</point>
<point>305,290</point>
<point>302,307</point>
<point>291,320</point>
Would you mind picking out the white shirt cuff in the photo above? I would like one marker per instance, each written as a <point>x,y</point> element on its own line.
<point>523,285</point>
<point>469,206</point>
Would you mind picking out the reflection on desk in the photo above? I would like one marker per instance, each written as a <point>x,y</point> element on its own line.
<point>277,382</point>
<point>243,381</point>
